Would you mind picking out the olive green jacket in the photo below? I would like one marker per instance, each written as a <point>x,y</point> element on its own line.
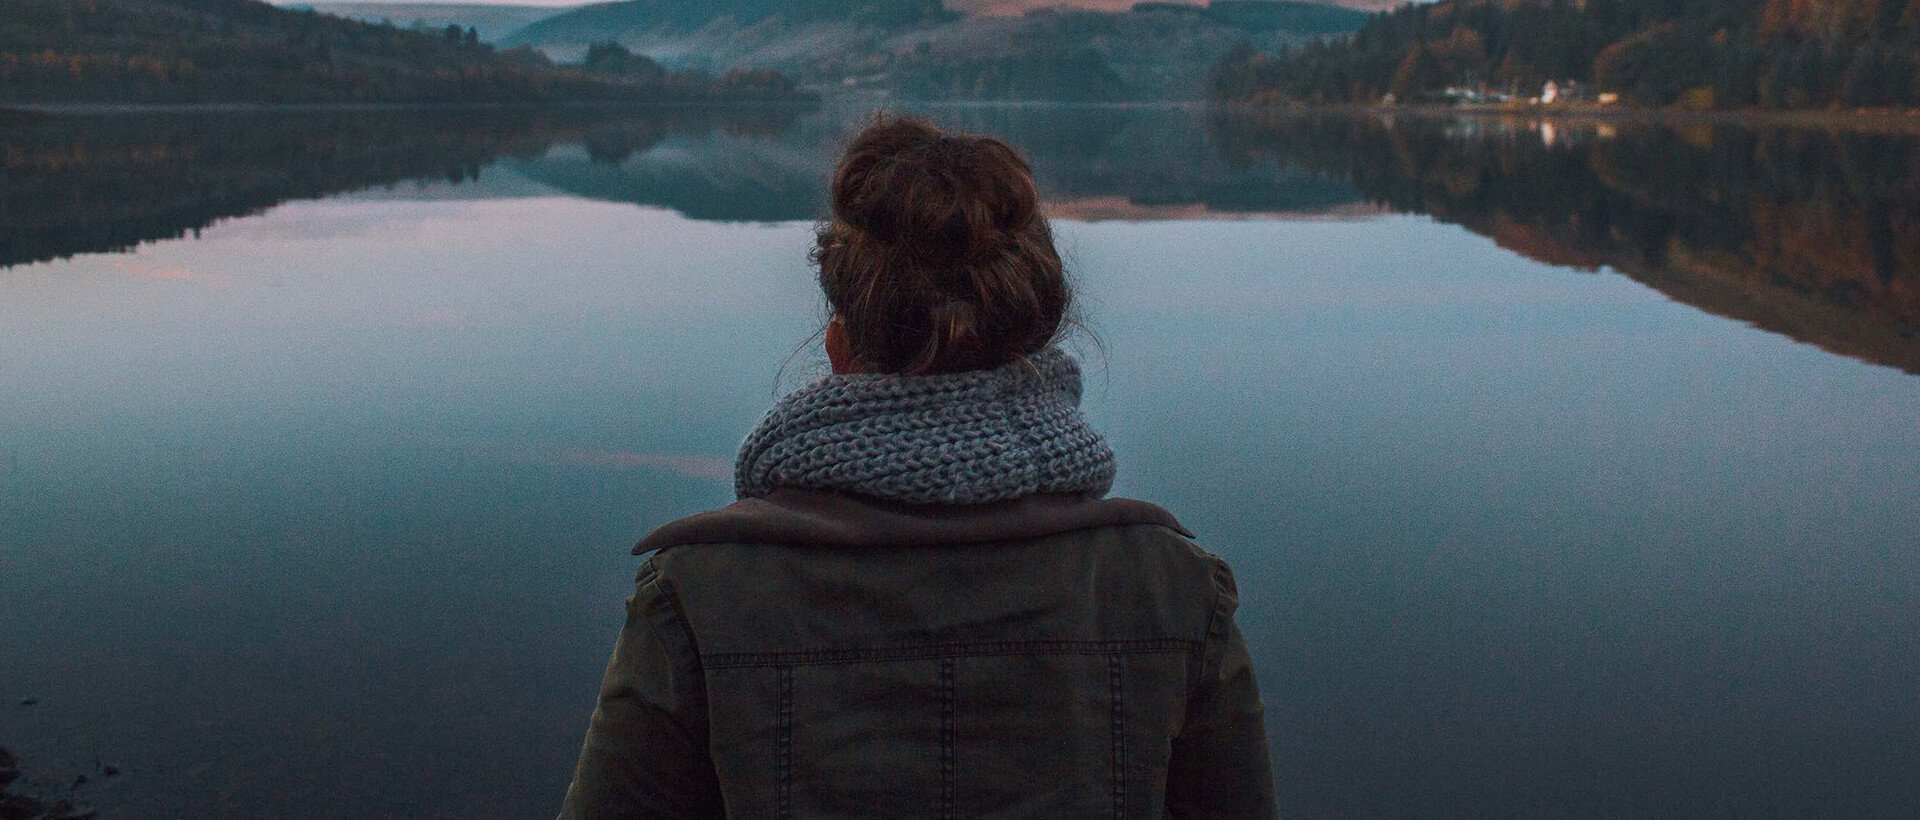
<point>814,654</point>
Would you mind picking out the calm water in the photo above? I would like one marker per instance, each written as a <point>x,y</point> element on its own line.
<point>1567,469</point>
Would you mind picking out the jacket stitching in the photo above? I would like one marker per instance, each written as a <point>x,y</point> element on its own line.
<point>726,660</point>
<point>672,597</point>
<point>947,738</point>
<point>1114,679</point>
<point>1197,689</point>
<point>784,744</point>
<point>679,613</point>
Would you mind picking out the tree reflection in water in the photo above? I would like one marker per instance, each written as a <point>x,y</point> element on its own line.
<point>1814,234</point>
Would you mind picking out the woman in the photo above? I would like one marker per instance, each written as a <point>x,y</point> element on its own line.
<point>922,605</point>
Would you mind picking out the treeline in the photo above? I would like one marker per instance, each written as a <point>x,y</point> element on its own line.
<point>199,51</point>
<point>1692,53</point>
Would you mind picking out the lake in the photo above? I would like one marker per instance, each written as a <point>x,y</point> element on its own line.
<point>1568,468</point>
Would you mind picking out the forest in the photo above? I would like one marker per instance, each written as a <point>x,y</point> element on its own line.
<point>246,51</point>
<point>1696,54</point>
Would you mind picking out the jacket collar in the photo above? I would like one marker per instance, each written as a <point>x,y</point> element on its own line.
<point>823,517</point>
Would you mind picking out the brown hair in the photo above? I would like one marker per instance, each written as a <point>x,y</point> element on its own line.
<point>937,258</point>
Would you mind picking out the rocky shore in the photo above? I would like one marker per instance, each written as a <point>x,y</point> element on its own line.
<point>20,806</point>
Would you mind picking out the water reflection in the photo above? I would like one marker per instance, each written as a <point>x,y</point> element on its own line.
<point>327,510</point>
<point>1094,164</point>
<point>1808,233</point>
<point>75,185</point>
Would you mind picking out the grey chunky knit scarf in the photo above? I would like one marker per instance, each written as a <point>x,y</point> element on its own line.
<point>949,438</point>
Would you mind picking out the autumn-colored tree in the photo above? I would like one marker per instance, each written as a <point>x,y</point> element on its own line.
<point>1418,75</point>
<point>1726,53</point>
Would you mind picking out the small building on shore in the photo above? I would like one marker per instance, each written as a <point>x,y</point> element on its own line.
<point>1564,92</point>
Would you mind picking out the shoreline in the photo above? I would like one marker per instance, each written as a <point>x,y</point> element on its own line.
<point>28,112</point>
<point>1901,121</point>
<point>1878,120</point>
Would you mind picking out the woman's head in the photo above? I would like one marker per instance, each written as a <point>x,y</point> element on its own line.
<point>937,259</point>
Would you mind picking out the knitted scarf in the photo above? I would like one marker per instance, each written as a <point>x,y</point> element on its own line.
<point>948,438</point>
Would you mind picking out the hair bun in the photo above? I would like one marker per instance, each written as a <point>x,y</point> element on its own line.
<point>937,258</point>
<point>938,197</point>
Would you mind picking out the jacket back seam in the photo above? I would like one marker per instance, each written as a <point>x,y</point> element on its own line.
<point>1115,693</point>
<point>803,543</point>
<point>783,752</point>
<point>948,738</point>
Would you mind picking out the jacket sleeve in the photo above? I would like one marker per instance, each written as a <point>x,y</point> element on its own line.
<point>1220,766</point>
<point>646,749</point>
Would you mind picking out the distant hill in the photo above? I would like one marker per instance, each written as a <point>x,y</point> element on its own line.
<point>199,51</point>
<point>680,16</point>
<point>492,22</point>
<point>1701,54</point>
<point>1015,8</point>
<point>924,50</point>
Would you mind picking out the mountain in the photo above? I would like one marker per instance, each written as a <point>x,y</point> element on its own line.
<point>200,51</point>
<point>922,49</point>
<point>1699,54</point>
<point>490,22</point>
<point>1015,8</point>
<point>635,17</point>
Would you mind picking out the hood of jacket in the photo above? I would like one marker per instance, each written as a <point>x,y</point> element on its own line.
<point>792,516</point>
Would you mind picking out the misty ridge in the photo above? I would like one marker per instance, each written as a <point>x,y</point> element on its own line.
<point>915,49</point>
<point>1832,56</point>
<point>192,52</point>
<point>66,52</point>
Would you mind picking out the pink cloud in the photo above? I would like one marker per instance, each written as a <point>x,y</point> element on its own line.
<point>704,467</point>
<point>166,273</point>
<point>691,465</point>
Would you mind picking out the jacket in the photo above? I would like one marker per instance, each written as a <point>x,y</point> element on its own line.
<point>816,654</point>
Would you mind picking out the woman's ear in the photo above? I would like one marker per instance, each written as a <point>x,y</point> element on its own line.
<point>839,350</point>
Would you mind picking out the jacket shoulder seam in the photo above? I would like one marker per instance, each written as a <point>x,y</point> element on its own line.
<point>737,660</point>
<point>724,542</point>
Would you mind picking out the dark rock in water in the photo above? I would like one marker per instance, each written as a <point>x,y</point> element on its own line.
<point>79,781</point>
<point>29,701</point>
<point>25,807</point>
<point>13,807</point>
<point>110,770</point>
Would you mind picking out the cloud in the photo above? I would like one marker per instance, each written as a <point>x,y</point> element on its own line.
<point>704,467</point>
<point>698,466</point>
<point>166,273</point>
